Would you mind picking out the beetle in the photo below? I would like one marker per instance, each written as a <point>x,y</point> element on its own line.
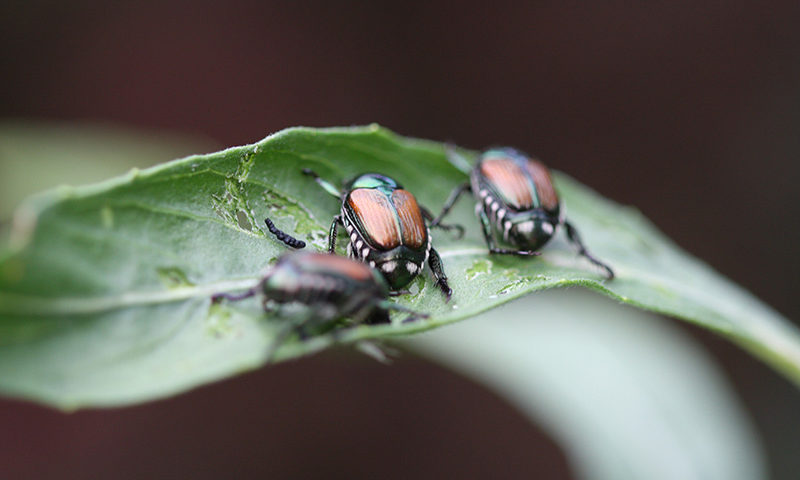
<point>516,198</point>
<point>312,289</point>
<point>387,229</point>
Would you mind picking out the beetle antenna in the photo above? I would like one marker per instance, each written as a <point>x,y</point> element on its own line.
<point>283,236</point>
<point>456,159</point>
<point>327,186</point>
<point>413,314</point>
<point>575,238</point>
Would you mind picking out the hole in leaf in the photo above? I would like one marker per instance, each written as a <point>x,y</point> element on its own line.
<point>243,221</point>
<point>218,322</point>
<point>173,277</point>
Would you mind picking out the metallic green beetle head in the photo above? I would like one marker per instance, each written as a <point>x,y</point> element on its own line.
<point>373,180</point>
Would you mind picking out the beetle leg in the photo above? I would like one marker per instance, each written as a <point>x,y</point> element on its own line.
<point>217,297</point>
<point>451,200</point>
<point>486,227</point>
<point>283,236</point>
<point>265,305</point>
<point>290,326</point>
<point>487,234</point>
<point>284,332</point>
<point>366,314</point>
<point>397,293</point>
<point>435,261</point>
<point>413,314</point>
<point>332,233</point>
<point>575,238</point>
<point>302,333</point>
<point>446,227</point>
<point>327,186</point>
<point>376,351</point>
<point>376,316</point>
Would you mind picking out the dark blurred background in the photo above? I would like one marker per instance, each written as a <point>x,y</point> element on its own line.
<point>688,110</point>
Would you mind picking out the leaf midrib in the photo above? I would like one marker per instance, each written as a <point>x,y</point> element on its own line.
<point>37,305</point>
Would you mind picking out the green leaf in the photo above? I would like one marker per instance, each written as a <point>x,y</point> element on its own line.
<point>626,394</point>
<point>104,290</point>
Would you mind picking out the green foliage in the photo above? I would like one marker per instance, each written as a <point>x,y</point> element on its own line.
<point>104,290</point>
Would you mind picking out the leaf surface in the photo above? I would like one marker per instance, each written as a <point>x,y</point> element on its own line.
<point>105,289</point>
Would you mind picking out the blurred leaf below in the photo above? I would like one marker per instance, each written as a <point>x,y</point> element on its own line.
<point>627,395</point>
<point>35,156</point>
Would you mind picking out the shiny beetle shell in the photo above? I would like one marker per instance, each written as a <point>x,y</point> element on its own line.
<point>386,229</point>
<point>326,287</point>
<point>325,282</point>
<point>522,182</point>
<point>388,221</point>
<point>311,290</point>
<point>518,196</point>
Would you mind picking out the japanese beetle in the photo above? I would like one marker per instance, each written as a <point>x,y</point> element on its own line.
<point>516,197</point>
<point>311,289</point>
<point>387,229</point>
